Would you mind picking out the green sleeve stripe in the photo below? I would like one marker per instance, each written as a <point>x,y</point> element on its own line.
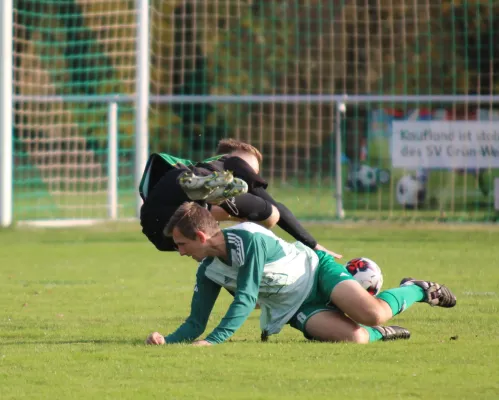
<point>248,284</point>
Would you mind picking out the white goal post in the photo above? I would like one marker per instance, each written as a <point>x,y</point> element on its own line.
<point>6,159</point>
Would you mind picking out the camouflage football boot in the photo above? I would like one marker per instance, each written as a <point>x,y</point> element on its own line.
<point>435,294</point>
<point>214,188</point>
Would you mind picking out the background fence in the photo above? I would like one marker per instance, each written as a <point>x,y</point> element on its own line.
<point>275,73</point>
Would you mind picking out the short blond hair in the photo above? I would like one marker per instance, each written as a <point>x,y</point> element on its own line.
<point>226,146</point>
<point>190,218</point>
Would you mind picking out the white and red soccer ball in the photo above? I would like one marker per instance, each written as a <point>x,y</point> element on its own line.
<point>367,273</point>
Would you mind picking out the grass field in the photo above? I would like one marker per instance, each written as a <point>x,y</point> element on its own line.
<point>76,306</point>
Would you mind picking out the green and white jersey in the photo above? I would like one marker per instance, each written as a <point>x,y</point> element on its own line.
<point>260,267</point>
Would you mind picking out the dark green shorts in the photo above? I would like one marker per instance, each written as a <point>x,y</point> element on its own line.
<point>327,275</point>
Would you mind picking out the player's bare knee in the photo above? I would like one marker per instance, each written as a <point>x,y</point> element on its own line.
<point>378,313</point>
<point>357,335</point>
<point>359,305</point>
<point>360,336</point>
<point>371,314</point>
<point>271,221</point>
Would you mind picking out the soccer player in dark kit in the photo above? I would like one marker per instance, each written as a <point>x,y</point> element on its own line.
<point>228,184</point>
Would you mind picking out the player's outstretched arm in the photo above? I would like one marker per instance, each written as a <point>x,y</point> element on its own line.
<point>203,300</point>
<point>289,223</point>
<point>331,253</point>
<point>245,297</point>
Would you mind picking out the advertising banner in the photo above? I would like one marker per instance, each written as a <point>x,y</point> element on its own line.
<point>445,144</point>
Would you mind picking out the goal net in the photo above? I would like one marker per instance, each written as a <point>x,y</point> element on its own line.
<point>67,54</point>
<point>285,68</point>
<point>295,54</point>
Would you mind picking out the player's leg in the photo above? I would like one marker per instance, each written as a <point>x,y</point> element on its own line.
<point>352,299</point>
<point>213,188</point>
<point>330,326</point>
<point>358,304</point>
<point>334,281</point>
<point>320,319</point>
<point>435,294</point>
<point>247,207</point>
<point>327,325</point>
<point>362,307</point>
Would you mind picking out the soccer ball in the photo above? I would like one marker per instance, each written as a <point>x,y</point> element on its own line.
<point>367,273</point>
<point>383,176</point>
<point>362,179</point>
<point>411,191</point>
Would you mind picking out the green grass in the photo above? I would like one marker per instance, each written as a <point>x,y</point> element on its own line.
<point>76,306</point>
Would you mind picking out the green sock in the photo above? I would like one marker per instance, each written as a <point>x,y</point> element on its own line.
<point>374,334</point>
<point>401,298</point>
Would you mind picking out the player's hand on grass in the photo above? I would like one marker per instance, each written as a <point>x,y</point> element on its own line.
<point>331,253</point>
<point>200,343</point>
<point>155,338</point>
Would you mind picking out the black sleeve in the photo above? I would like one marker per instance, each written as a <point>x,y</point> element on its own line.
<point>287,220</point>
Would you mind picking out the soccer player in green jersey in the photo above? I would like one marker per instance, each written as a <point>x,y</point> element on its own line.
<point>292,283</point>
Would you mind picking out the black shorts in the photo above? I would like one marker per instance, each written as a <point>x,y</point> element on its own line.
<point>158,208</point>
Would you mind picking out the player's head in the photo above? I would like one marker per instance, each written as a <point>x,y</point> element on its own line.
<point>190,227</point>
<point>242,150</point>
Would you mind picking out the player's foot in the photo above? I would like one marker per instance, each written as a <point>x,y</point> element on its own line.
<point>233,189</point>
<point>200,187</point>
<point>189,181</point>
<point>393,332</point>
<point>435,294</point>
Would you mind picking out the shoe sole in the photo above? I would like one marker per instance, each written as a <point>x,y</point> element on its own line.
<point>233,189</point>
<point>189,181</point>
